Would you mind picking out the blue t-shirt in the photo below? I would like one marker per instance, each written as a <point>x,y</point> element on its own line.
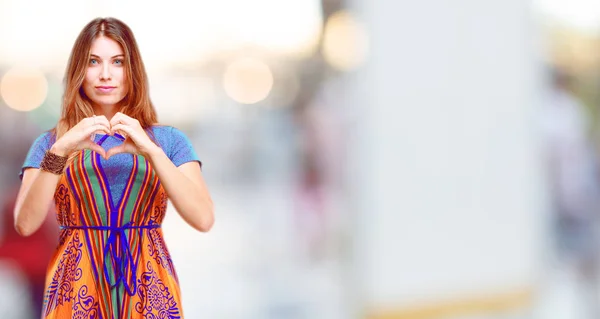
<point>173,141</point>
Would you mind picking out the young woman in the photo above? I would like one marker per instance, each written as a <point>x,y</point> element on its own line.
<point>110,169</point>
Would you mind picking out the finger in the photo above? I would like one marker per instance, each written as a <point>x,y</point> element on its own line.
<point>123,115</point>
<point>120,118</point>
<point>97,128</point>
<point>116,150</point>
<point>122,127</point>
<point>96,148</point>
<point>96,120</point>
<point>115,119</point>
<point>101,119</point>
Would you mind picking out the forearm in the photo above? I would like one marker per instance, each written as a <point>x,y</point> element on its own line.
<point>191,200</point>
<point>33,203</point>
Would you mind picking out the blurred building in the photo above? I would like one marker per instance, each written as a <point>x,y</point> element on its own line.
<point>367,159</point>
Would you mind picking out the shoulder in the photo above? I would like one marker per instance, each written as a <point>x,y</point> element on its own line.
<point>175,143</point>
<point>161,129</point>
<point>37,150</point>
<point>170,137</point>
<point>167,132</point>
<point>44,140</point>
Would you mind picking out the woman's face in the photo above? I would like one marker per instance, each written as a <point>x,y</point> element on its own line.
<point>105,83</point>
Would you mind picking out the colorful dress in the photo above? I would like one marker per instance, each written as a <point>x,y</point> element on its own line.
<point>111,261</point>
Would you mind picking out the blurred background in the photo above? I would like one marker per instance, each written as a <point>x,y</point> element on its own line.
<point>367,159</point>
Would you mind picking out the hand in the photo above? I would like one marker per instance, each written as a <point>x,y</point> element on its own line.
<point>78,137</point>
<point>136,139</point>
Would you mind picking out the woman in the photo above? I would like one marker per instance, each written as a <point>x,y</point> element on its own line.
<point>110,170</point>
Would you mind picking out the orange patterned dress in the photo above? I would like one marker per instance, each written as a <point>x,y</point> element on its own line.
<point>111,261</point>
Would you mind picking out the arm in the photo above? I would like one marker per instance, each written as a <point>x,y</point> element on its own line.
<point>34,200</point>
<point>186,189</point>
<point>37,189</point>
<point>184,185</point>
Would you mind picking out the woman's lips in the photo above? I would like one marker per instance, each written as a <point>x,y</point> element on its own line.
<point>105,89</point>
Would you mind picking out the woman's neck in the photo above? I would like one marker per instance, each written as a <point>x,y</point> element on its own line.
<point>107,111</point>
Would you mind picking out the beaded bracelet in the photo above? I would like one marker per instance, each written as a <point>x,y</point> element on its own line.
<point>53,163</point>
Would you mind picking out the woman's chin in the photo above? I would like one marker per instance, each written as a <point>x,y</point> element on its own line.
<point>107,103</point>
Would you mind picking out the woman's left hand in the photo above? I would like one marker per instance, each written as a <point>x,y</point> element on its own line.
<point>136,140</point>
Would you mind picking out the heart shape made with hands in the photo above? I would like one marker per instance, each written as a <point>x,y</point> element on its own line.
<point>127,145</point>
<point>113,150</point>
<point>122,127</point>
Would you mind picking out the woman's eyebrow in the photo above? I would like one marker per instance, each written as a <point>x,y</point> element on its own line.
<point>116,56</point>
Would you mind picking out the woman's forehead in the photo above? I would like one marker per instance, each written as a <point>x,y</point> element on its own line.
<point>105,47</point>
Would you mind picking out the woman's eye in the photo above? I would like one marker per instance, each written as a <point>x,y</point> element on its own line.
<point>93,61</point>
<point>118,61</point>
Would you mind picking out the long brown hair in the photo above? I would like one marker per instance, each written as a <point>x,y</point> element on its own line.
<point>76,105</point>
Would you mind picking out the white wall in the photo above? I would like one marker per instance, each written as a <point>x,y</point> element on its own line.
<point>450,197</point>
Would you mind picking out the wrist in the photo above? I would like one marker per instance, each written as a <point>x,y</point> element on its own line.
<point>53,163</point>
<point>59,150</point>
<point>153,152</point>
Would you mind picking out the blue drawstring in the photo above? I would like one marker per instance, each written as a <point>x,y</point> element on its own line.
<point>110,248</point>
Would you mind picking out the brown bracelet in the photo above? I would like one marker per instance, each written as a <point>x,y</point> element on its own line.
<point>53,163</point>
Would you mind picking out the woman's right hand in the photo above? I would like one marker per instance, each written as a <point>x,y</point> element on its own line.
<point>78,137</point>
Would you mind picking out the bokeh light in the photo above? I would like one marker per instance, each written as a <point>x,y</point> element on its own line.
<point>248,80</point>
<point>581,14</point>
<point>282,27</point>
<point>345,41</point>
<point>23,89</point>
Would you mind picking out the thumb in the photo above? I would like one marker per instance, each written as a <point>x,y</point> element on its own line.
<point>115,150</point>
<point>96,148</point>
